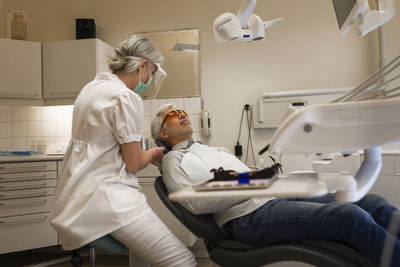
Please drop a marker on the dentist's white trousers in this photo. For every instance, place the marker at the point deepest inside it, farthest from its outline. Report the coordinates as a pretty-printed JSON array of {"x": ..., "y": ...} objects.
[{"x": 149, "y": 239}]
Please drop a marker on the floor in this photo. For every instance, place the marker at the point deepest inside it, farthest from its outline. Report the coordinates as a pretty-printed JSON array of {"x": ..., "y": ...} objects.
[{"x": 56, "y": 257}]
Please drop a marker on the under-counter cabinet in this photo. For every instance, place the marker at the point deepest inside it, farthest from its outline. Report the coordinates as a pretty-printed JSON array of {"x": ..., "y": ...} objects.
[
  {"x": 20, "y": 69},
  {"x": 70, "y": 65},
  {"x": 26, "y": 197}
]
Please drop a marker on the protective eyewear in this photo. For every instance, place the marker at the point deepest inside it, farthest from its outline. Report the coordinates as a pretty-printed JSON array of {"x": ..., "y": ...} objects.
[
  {"x": 158, "y": 77},
  {"x": 174, "y": 114}
]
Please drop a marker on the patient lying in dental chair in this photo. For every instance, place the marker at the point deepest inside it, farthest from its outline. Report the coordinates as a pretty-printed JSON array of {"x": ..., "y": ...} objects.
[{"x": 362, "y": 225}]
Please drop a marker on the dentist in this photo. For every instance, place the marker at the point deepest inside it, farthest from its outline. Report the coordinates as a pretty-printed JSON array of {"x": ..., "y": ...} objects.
[{"x": 98, "y": 192}]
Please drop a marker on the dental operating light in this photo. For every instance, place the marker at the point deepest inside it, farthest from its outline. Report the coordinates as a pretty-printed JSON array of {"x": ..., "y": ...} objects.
[
  {"x": 349, "y": 11},
  {"x": 245, "y": 26}
]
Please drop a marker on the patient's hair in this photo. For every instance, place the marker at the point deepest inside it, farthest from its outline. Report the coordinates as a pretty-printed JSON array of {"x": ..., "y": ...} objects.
[
  {"x": 157, "y": 120},
  {"x": 129, "y": 53}
]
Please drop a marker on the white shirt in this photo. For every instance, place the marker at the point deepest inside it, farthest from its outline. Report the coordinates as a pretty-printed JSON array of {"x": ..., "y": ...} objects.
[
  {"x": 190, "y": 164},
  {"x": 96, "y": 194}
]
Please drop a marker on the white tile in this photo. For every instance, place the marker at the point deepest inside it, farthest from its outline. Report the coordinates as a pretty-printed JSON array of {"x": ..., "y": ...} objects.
[
  {"x": 19, "y": 144},
  {"x": 50, "y": 113},
  {"x": 34, "y": 128},
  {"x": 5, "y": 144},
  {"x": 147, "y": 107},
  {"x": 64, "y": 112},
  {"x": 5, "y": 129},
  {"x": 195, "y": 120},
  {"x": 146, "y": 124},
  {"x": 155, "y": 104},
  {"x": 49, "y": 128},
  {"x": 64, "y": 127},
  {"x": 19, "y": 113},
  {"x": 34, "y": 113},
  {"x": 19, "y": 128},
  {"x": 192, "y": 105},
  {"x": 177, "y": 101},
  {"x": 5, "y": 113},
  {"x": 49, "y": 139}
]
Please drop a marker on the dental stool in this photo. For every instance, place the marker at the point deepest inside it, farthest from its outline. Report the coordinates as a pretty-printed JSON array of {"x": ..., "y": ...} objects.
[
  {"x": 110, "y": 245},
  {"x": 225, "y": 251},
  {"x": 106, "y": 243}
]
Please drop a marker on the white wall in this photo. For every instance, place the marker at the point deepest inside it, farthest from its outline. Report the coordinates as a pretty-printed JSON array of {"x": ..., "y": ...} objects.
[{"x": 306, "y": 52}]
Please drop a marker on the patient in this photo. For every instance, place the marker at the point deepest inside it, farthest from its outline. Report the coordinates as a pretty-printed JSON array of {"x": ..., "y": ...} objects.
[{"x": 260, "y": 221}]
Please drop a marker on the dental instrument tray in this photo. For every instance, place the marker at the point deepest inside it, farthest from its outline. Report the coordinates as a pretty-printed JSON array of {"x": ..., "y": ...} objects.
[{"x": 231, "y": 180}]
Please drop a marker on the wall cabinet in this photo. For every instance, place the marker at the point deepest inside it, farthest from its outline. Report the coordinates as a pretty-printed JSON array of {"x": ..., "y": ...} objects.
[
  {"x": 70, "y": 65},
  {"x": 20, "y": 69}
]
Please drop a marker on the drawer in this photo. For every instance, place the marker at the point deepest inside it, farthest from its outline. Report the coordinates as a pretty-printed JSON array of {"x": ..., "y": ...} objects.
[
  {"x": 22, "y": 176},
  {"x": 40, "y": 192},
  {"x": 23, "y": 185},
  {"x": 28, "y": 167},
  {"x": 26, "y": 232},
  {"x": 22, "y": 206}
]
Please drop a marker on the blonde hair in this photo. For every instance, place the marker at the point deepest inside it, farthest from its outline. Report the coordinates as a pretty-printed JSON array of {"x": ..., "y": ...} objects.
[{"x": 128, "y": 55}]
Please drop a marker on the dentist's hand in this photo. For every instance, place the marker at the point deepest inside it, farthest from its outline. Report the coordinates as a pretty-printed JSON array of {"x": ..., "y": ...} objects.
[{"x": 157, "y": 155}]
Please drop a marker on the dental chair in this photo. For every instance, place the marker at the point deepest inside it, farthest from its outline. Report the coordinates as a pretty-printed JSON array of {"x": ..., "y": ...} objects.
[{"x": 225, "y": 251}]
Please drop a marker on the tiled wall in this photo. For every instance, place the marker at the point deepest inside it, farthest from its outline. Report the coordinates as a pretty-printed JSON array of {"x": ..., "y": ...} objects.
[{"x": 19, "y": 125}]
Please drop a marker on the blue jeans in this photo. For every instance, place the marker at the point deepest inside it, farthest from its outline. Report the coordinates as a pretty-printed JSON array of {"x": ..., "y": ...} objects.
[{"x": 361, "y": 225}]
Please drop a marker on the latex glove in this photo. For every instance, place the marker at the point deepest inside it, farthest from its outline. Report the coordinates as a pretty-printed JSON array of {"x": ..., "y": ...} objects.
[{"x": 157, "y": 155}]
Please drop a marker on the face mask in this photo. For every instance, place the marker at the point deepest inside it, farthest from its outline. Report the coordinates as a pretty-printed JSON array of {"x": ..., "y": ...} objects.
[{"x": 141, "y": 87}]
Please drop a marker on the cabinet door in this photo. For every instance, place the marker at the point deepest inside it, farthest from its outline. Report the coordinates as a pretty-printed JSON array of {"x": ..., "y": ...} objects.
[
  {"x": 26, "y": 232},
  {"x": 67, "y": 67},
  {"x": 20, "y": 69}
]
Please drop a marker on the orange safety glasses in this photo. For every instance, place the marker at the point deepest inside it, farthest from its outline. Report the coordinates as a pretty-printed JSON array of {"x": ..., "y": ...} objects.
[{"x": 174, "y": 114}]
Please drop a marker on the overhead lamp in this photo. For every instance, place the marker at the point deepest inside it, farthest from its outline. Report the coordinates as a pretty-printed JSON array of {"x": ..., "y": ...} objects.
[
  {"x": 186, "y": 47},
  {"x": 245, "y": 26}
]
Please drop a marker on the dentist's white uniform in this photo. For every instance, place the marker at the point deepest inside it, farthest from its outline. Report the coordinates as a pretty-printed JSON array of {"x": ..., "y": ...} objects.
[{"x": 96, "y": 194}]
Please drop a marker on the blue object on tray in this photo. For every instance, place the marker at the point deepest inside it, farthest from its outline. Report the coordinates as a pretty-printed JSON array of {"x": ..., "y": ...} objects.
[{"x": 17, "y": 153}]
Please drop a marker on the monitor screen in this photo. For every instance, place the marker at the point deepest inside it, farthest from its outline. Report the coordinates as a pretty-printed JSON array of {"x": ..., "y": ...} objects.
[{"x": 343, "y": 9}]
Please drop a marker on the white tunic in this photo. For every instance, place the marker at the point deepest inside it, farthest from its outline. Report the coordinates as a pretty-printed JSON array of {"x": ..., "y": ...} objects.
[{"x": 96, "y": 194}]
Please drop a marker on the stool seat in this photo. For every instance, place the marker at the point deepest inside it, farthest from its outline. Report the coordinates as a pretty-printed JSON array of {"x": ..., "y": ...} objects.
[
  {"x": 109, "y": 244},
  {"x": 105, "y": 243}
]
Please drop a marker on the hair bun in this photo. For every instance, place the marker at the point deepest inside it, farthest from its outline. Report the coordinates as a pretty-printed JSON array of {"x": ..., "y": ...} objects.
[{"x": 116, "y": 63}]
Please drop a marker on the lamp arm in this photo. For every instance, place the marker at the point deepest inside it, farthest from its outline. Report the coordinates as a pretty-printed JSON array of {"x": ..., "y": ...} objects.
[
  {"x": 272, "y": 23},
  {"x": 385, "y": 5},
  {"x": 365, "y": 177},
  {"x": 245, "y": 10}
]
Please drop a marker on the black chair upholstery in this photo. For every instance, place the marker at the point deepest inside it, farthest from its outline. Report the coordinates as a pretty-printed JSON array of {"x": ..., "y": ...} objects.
[{"x": 225, "y": 251}]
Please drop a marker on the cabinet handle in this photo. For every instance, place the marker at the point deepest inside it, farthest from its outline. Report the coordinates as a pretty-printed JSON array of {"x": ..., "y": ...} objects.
[
  {"x": 25, "y": 195},
  {"x": 22, "y": 168},
  {"x": 18, "y": 95},
  {"x": 24, "y": 221},
  {"x": 65, "y": 93},
  {"x": 30, "y": 177},
  {"x": 27, "y": 186},
  {"x": 31, "y": 203}
]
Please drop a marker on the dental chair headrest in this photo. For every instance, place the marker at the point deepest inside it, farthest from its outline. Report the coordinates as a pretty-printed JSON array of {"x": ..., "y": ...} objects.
[{"x": 161, "y": 143}]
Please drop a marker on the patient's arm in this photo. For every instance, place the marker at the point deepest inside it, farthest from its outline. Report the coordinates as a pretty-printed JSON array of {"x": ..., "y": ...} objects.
[{"x": 176, "y": 179}]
